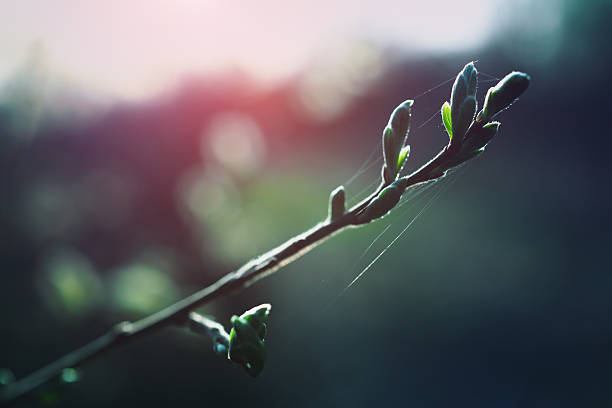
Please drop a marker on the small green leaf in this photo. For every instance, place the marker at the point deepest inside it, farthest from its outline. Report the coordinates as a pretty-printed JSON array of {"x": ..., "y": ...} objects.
[
  {"x": 492, "y": 126},
  {"x": 257, "y": 317},
  {"x": 446, "y": 119},
  {"x": 389, "y": 154},
  {"x": 401, "y": 160},
  {"x": 247, "y": 346}
]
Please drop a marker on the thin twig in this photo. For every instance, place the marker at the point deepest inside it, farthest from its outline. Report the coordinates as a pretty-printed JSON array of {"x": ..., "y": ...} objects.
[{"x": 215, "y": 330}]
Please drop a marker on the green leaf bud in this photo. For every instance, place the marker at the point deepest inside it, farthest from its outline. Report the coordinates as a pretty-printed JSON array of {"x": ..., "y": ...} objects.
[
  {"x": 463, "y": 102},
  {"x": 394, "y": 137},
  {"x": 462, "y": 157},
  {"x": 247, "y": 346},
  {"x": 465, "y": 85},
  {"x": 257, "y": 317},
  {"x": 400, "y": 123},
  {"x": 464, "y": 120},
  {"x": 504, "y": 94},
  {"x": 480, "y": 136},
  {"x": 383, "y": 203},
  {"x": 336, "y": 203},
  {"x": 474, "y": 144}
]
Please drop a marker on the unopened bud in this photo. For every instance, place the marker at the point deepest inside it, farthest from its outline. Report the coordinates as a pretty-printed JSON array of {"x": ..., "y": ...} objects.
[{"x": 504, "y": 94}]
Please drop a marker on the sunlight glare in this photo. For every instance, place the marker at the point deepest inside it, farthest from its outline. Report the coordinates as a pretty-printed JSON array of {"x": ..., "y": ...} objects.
[{"x": 134, "y": 49}]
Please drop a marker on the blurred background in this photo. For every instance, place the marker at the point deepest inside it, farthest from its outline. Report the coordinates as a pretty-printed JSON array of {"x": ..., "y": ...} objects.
[{"x": 149, "y": 147}]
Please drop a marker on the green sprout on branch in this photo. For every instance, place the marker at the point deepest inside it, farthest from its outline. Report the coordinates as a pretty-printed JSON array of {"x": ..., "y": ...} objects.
[{"x": 469, "y": 133}]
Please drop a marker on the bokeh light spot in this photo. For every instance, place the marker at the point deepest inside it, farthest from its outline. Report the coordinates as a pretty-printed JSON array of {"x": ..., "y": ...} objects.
[
  {"x": 70, "y": 375},
  {"x": 236, "y": 141},
  {"x": 141, "y": 288},
  {"x": 209, "y": 193},
  {"x": 6, "y": 377},
  {"x": 69, "y": 282},
  {"x": 326, "y": 89}
]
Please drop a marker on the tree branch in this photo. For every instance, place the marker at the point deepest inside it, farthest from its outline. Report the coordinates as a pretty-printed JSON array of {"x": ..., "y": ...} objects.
[{"x": 467, "y": 139}]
